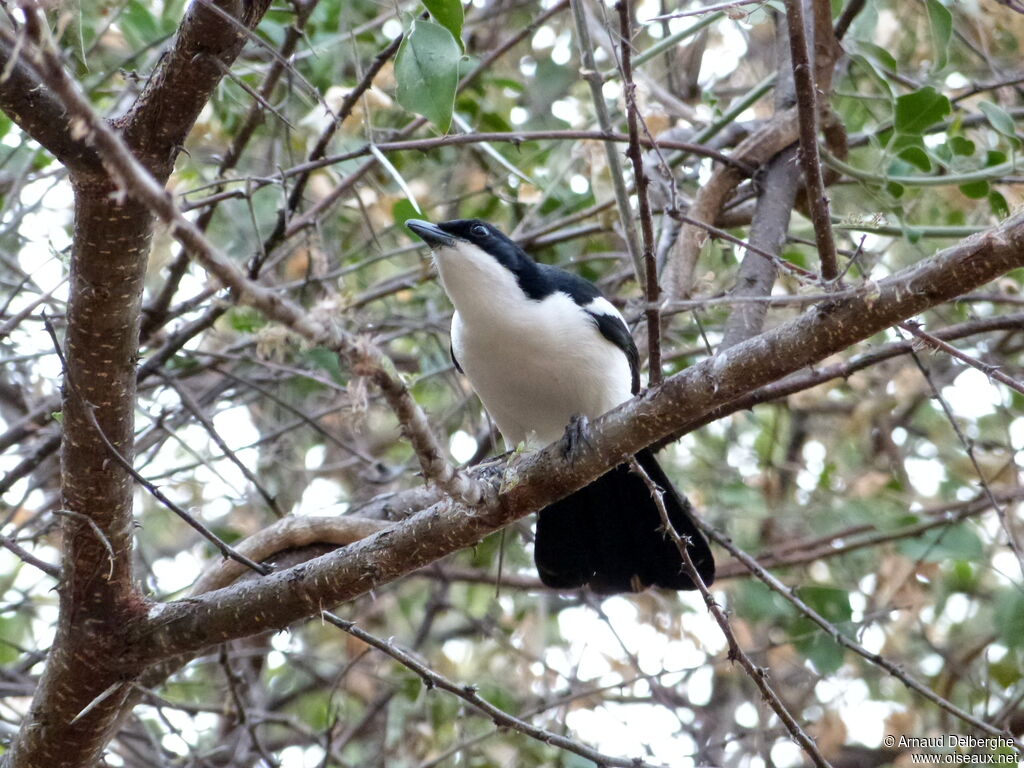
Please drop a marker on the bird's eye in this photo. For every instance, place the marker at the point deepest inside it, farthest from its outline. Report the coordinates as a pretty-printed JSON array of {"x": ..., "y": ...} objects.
[{"x": 479, "y": 230}]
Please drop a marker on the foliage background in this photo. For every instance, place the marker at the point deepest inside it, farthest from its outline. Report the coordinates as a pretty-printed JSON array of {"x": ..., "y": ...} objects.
[{"x": 833, "y": 482}]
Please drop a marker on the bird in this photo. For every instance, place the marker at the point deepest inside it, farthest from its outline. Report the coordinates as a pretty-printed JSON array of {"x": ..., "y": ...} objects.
[{"x": 544, "y": 350}]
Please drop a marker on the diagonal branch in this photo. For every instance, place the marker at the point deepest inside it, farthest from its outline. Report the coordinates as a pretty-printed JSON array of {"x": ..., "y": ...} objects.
[
  {"x": 759, "y": 675},
  {"x": 540, "y": 478},
  {"x": 471, "y": 695},
  {"x": 365, "y": 359},
  {"x": 208, "y": 41},
  {"x": 770, "y": 224},
  {"x": 36, "y": 110},
  {"x": 878, "y": 659}
]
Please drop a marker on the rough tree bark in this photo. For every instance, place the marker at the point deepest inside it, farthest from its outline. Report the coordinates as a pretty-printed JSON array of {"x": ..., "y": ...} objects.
[
  {"x": 277, "y": 600},
  {"x": 108, "y": 635},
  {"x": 79, "y": 696}
]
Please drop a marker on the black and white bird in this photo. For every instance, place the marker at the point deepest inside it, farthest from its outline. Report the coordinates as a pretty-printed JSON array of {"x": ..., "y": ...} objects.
[{"x": 541, "y": 346}]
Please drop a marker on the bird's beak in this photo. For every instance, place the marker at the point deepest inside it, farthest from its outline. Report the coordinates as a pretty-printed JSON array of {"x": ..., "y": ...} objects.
[{"x": 431, "y": 234}]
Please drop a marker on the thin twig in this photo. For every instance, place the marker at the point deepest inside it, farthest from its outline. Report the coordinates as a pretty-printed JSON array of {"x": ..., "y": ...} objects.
[
  {"x": 807, "y": 109},
  {"x": 875, "y": 658},
  {"x": 968, "y": 446},
  {"x": 90, "y": 416},
  {"x": 595, "y": 81},
  {"x": 103, "y": 696},
  {"x": 196, "y": 410},
  {"x": 155, "y": 313},
  {"x": 50, "y": 570},
  {"x": 470, "y": 694},
  {"x": 736, "y": 654},
  {"x": 101, "y": 537},
  {"x": 800, "y": 382},
  {"x": 312, "y": 216},
  {"x": 509, "y": 137},
  {"x": 705, "y": 9},
  {"x": 247, "y": 721},
  {"x": 805, "y": 275},
  {"x": 324, "y": 140},
  {"x": 652, "y": 291},
  {"x": 989, "y": 370},
  {"x": 365, "y": 359}
]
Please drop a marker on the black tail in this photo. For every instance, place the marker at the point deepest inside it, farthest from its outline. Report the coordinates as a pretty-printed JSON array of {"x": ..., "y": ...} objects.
[{"x": 609, "y": 535}]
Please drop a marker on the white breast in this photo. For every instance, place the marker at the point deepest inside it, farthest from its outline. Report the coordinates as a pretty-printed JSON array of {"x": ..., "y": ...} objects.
[{"x": 534, "y": 364}]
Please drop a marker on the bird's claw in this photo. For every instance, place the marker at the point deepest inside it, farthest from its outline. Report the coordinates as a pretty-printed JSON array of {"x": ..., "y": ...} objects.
[{"x": 577, "y": 433}]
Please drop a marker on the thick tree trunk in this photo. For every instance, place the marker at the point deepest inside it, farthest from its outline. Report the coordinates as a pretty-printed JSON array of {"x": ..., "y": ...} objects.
[
  {"x": 98, "y": 597},
  {"x": 87, "y": 680}
]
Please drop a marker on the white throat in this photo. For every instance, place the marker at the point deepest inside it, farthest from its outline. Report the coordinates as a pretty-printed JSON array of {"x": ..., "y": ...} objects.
[{"x": 478, "y": 285}]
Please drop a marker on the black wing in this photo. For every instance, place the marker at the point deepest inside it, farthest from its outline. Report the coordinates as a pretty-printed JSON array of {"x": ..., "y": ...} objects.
[
  {"x": 451, "y": 351},
  {"x": 613, "y": 329}
]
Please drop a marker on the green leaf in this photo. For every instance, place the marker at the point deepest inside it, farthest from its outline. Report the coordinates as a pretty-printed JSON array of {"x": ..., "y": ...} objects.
[
  {"x": 326, "y": 360},
  {"x": 998, "y": 204},
  {"x": 1009, "y": 605},
  {"x": 427, "y": 70},
  {"x": 954, "y": 542},
  {"x": 811, "y": 640},
  {"x": 402, "y": 211},
  {"x": 1006, "y": 671},
  {"x": 975, "y": 190},
  {"x": 916, "y": 157},
  {"x": 959, "y": 145},
  {"x": 994, "y": 157},
  {"x": 1000, "y": 120},
  {"x": 756, "y": 602},
  {"x": 943, "y": 153},
  {"x": 12, "y": 635},
  {"x": 138, "y": 24},
  {"x": 831, "y": 602},
  {"x": 917, "y": 111},
  {"x": 507, "y": 82},
  {"x": 940, "y": 20},
  {"x": 913, "y": 234},
  {"x": 246, "y": 319},
  {"x": 450, "y": 15},
  {"x": 961, "y": 578},
  {"x": 815, "y": 645},
  {"x": 410, "y": 687},
  {"x": 881, "y": 55}
]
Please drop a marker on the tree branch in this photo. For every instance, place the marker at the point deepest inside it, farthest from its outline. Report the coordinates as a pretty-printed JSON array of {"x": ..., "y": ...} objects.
[
  {"x": 207, "y": 43},
  {"x": 652, "y": 291},
  {"x": 595, "y": 81},
  {"x": 35, "y": 109},
  {"x": 364, "y": 358},
  {"x": 76, "y": 704},
  {"x": 807, "y": 91},
  {"x": 542, "y": 477},
  {"x": 757, "y": 149},
  {"x": 770, "y": 224}
]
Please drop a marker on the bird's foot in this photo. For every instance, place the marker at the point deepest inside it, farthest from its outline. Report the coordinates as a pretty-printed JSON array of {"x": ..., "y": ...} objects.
[{"x": 577, "y": 434}]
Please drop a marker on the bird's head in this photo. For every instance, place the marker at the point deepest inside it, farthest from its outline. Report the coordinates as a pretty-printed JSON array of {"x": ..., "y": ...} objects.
[{"x": 468, "y": 240}]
